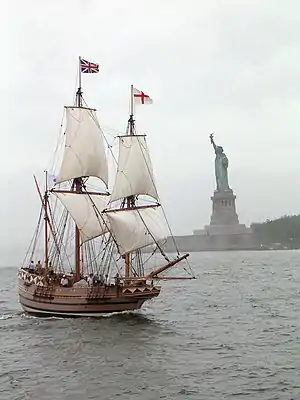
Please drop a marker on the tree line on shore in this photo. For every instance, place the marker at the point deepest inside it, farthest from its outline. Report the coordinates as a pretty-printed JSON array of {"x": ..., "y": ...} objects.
[{"x": 284, "y": 231}]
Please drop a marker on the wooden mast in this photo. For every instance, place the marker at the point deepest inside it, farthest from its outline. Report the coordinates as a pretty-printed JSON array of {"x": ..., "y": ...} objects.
[
  {"x": 78, "y": 188},
  {"x": 46, "y": 222},
  {"x": 130, "y": 199}
]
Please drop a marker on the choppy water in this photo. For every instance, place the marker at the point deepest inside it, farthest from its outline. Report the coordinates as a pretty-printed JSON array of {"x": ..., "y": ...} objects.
[{"x": 232, "y": 334}]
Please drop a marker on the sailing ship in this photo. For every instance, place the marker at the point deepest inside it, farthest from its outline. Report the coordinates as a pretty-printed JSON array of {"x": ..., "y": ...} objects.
[{"x": 97, "y": 245}]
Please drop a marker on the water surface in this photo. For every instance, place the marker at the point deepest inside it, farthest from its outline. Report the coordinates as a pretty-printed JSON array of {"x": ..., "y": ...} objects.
[{"x": 234, "y": 333}]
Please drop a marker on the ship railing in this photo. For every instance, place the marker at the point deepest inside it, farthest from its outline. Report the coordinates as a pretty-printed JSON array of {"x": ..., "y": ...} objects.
[{"x": 96, "y": 291}]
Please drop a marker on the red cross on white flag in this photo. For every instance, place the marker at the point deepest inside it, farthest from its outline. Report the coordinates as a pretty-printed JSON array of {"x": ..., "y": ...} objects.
[{"x": 140, "y": 97}]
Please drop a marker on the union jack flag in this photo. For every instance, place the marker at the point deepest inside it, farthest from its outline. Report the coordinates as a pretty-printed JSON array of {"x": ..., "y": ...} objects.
[{"x": 88, "y": 67}]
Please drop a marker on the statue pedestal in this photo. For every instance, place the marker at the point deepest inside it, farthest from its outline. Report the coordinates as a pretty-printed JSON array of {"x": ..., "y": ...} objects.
[
  {"x": 224, "y": 219},
  {"x": 224, "y": 231}
]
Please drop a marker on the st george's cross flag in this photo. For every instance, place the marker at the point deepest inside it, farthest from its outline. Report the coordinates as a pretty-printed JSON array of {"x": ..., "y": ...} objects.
[{"x": 140, "y": 97}]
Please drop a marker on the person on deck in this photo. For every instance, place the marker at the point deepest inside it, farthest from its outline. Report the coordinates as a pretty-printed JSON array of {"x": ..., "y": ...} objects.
[
  {"x": 31, "y": 267},
  {"x": 38, "y": 268},
  {"x": 117, "y": 279},
  {"x": 64, "y": 281},
  {"x": 101, "y": 280},
  {"x": 90, "y": 280}
]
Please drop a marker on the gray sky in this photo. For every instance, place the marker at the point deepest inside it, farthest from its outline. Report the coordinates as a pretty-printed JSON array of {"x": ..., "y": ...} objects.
[{"x": 231, "y": 67}]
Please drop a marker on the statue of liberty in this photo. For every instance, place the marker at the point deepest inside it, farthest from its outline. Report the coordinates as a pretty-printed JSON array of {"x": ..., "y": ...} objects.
[{"x": 221, "y": 166}]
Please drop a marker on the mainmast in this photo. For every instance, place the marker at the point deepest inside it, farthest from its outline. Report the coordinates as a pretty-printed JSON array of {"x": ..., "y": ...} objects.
[
  {"x": 84, "y": 157},
  {"x": 77, "y": 185},
  {"x": 130, "y": 201},
  {"x": 131, "y": 120}
]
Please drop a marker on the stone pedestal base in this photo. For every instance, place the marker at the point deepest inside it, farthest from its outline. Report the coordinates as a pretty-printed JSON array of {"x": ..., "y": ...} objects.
[
  {"x": 223, "y": 210},
  {"x": 224, "y": 231},
  {"x": 214, "y": 230}
]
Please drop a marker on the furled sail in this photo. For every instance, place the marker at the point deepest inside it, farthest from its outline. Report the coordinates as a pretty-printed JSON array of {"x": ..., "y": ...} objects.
[
  {"x": 134, "y": 229},
  {"x": 84, "y": 153},
  {"x": 135, "y": 173},
  {"x": 82, "y": 209}
]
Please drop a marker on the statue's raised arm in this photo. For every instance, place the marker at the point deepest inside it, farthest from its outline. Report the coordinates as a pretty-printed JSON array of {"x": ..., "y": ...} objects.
[{"x": 211, "y": 136}]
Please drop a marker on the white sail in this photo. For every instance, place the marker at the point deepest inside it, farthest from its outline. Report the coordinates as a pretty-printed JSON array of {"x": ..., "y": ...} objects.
[
  {"x": 84, "y": 153},
  {"x": 135, "y": 173},
  {"x": 134, "y": 229},
  {"x": 82, "y": 209}
]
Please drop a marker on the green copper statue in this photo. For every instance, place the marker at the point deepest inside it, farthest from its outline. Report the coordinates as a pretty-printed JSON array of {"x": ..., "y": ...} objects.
[{"x": 221, "y": 166}]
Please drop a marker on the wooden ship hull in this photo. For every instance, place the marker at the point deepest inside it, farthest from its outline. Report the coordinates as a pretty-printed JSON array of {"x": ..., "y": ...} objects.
[{"x": 88, "y": 301}]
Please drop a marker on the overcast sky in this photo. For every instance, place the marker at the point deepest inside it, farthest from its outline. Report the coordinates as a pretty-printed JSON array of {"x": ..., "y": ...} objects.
[{"x": 229, "y": 67}]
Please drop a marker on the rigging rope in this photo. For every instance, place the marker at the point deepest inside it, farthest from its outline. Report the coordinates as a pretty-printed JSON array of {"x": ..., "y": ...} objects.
[{"x": 33, "y": 239}]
